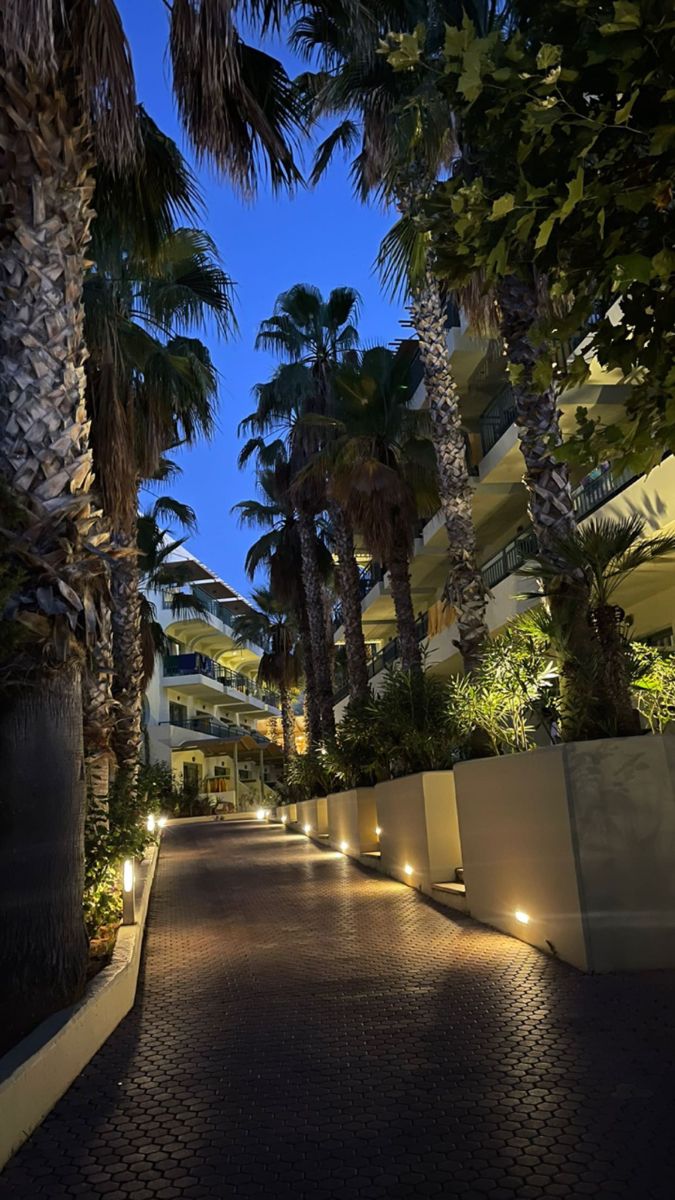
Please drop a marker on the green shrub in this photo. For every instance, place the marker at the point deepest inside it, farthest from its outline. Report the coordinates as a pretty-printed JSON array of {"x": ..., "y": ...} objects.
[
  {"x": 354, "y": 758},
  {"x": 411, "y": 730},
  {"x": 653, "y": 683}
]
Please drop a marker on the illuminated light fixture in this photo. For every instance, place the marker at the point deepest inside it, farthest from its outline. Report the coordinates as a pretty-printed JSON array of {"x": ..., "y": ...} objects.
[
  {"x": 284, "y": 820},
  {"x": 307, "y": 828},
  {"x": 260, "y": 814},
  {"x": 162, "y": 822},
  {"x": 521, "y": 916},
  {"x": 378, "y": 831},
  {"x": 151, "y": 824},
  {"x": 128, "y": 874},
  {"x": 408, "y": 869},
  {"x": 344, "y": 846}
]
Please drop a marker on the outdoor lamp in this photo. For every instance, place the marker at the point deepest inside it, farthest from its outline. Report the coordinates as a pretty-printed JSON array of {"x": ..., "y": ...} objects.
[{"x": 128, "y": 893}]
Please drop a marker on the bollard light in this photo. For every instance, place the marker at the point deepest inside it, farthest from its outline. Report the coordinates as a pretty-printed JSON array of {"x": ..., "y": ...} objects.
[
  {"x": 408, "y": 869},
  {"x": 522, "y": 917},
  {"x": 284, "y": 820},
  {"x": 378, "y": 831},
  {"x": 128, "y": 893},
  {"x": 151, "y": 823},
  {"x": 162, "y": 822}
]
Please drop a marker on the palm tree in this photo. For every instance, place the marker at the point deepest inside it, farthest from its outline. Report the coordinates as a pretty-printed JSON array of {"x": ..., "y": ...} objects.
[
  {"x": 67, "y": 97},
  {"x": 278, "y": 550},
  {"x": 314, "y": 336},
  {"x": 403, "y": 170},
  {"x": 381, "y": 469},
  {"x": 603, "y": 554},
  {"x": 273, "y": 628}
]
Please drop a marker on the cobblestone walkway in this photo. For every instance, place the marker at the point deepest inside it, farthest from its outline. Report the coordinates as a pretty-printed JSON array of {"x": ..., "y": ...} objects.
[{"x": 306, "y": 1029}]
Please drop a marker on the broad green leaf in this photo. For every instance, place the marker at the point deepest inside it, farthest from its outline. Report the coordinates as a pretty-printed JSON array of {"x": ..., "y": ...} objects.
[
  {"x": 548, "y": 56},
  {"x": 575, "y": 192},
  {"x": 503, "y": 205},
  {"x": 626, "y": 17},
  {"x": 633, "y": 267},
  {"x": 523, "y": 227},
  {"x": 662, "y": 136},
  {"x": 601, "y": 222},
  {"x": 664, "y": 263},
  {"x": 515, "y": 372},
  {"x": 545, "y": 231},
  {"x": 623, "y": 113}
]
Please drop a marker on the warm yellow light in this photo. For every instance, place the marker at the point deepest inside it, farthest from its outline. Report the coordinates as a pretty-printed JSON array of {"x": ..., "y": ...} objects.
[
  {"x": 161, "y": 822},
  {"x": 128, "y": 874},
  {"x": 344, "y": 846},
  {"x": 408, "y": 869},
  {"x": 307, "y": 828},
  {"x": 260, "y": 814},
  {"x": 378, "y": 831},
  {"x": 284, "y": 820},
  {"x": 521, "y": 916},
  {"x": 151, "y": 823}
]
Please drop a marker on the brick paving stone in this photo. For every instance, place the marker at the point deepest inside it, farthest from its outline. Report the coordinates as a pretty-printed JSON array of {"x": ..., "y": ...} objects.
[{"x": 307, "y": 1029}]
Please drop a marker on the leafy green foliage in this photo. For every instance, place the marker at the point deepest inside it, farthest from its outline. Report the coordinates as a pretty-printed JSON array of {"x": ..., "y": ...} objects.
[
  {"x": 653, "y": 673},
  {"x": 411, "y": 724}
]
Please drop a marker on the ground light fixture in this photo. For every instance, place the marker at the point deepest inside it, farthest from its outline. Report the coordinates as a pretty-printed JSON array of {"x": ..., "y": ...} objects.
[
  {"x": 307, "y": 828},
  {"x": 344, "y": 846},
  {"x": 260, "y": 814},
  {"x": 151, "y": 823},
  {"x": 284, "y": 820},
  {"x": 378, "y": 831},
  {"x": 521, "y": 916},
  {"x": 408, "y": 870},
  {"x": 162, "y": 822},
  {"x": 128, "y": 907}
]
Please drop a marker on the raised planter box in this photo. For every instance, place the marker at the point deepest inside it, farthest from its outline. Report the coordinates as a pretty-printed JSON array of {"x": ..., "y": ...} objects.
[
  {"x": 352, "y": 821},
  {"x": 36, "y": 1073},
  {"x": 312, "y": 817},
  {"x": 572, "y": 849},
  {"x": 419, "y": 838}
]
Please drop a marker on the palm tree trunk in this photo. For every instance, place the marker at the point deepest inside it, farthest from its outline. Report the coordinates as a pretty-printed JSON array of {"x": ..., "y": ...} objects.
[
  {"x": 312, "y": 710},
  {"x": 317, "y": 632},
  {"x": 617, "y": 698},
  {"x": 98, "y": 719},
  {"x": 128, "y": 657},
  {"x": 399, "y": 572},
  {"x": 43, "y": 944},
  {"x": 287, "y": 723},
  {"x": 465, "y": 588},
  {"x": 551, "y": 505},
  {"x": 45, "y": 459},
  {"x": 349, "y": 587}
]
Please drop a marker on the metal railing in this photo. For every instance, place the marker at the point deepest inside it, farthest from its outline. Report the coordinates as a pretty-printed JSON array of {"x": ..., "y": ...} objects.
[
  {"x": 201, "y": 664},
  {"x": 599, "y": 487},
  {"x": 497, "y": 417},
  {"x": 386, "y": 657},
  {"x": 214, "y": 727}
]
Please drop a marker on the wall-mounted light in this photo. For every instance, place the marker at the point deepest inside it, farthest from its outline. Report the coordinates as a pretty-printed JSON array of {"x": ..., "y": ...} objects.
[
  {"x": 344, "y": 846},
  {"x": 521, "y": 916},
  {"x": 307, "y": 828},
  {"x": 408, "y": 870},
  {"x": 151, "y": 823},
  {"x": 378, "y": 831}
]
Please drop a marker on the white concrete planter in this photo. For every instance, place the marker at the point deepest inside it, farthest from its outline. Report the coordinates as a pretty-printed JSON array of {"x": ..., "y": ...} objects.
[
  {"x": 419, "y": 839},
  {"x": 579, "y": 840},
  {"x": 352, "y": 821},
  {"x": 36, "y": 1073},
  {"x": 312, "y": 817},
  {"x": 290, "y": 811}
]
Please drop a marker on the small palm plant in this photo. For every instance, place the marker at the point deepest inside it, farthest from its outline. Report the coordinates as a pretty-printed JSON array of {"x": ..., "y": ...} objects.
[{"x": 602, "y": 555}]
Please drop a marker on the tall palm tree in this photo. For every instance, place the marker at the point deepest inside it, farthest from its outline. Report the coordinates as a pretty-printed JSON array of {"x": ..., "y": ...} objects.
[
  {"x": 381, "y": 469},
  {"x": 314, "y": 336},
  {"x": 273, "y": 628},
  {"x": 403, "y": 169},
  {"x": 66, "y": 98},
  {"x": 149, "y": 385},
  {"x": 278, "y": 550}
]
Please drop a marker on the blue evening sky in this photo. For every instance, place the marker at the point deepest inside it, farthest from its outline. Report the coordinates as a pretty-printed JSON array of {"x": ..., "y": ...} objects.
[{"x": 324, "y": 237}]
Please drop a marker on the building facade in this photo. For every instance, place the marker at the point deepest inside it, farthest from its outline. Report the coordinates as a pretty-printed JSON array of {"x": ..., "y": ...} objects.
[
  {"x": 504, "y": 535},
  {"x": 203, "y": 707}
]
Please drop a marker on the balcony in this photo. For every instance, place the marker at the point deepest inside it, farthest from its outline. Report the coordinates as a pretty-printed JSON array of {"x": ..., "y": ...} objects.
[
  {"x": 369, "y": 575},
  {"x": 201, "y": 664},
  {"x": 213, "y": 727},
  {"x": 385, "y": 657},
  {"x": 497, "y": 417}
]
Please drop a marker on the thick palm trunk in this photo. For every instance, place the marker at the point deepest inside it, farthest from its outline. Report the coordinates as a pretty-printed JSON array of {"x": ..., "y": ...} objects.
[
  {"x": 43, "y": 944},
  {"x": 45, "y": 460},
  {"x": 399, "y": 572},
  {"x": 128, "y": 657},
  {"x": 465, "y": 588},
  {"x": 349, "y": 587},
  {"x": 98, "y": 718},
  {"x": 317, "y": 633},
  {"x": 617, "y": 697},
  {"x": 312, "y": 710},
  {"x": 551, "y": 505},
  {"x": 287, "y": 723}
]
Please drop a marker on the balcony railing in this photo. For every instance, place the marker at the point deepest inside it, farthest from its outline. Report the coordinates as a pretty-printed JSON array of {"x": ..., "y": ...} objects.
[
  {"x": 497, "y": 417},
  {"x": 386, "y": 657},
  {"x": 214, "y": 727},
  {"x": 369, "y": 575},
  {"x": 201, "y": 664}
]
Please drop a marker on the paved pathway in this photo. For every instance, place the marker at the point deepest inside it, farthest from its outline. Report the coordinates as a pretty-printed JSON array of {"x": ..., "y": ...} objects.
[{"x": 307, "y": 1029}]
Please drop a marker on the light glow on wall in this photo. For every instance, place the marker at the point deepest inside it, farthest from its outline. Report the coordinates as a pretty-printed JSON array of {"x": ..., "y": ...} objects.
[
  {"x": 307, "y": 828},
  {"x": 284, "y": 820},
  {"x": 162, "y": 822},
  {"x": 344, "y": 846},
  {"x": 151, "y": 823},
  {"x": 378, "y": 831},
  {"x": 408, "y": 870},
  {"x": 521, "y": 916},
  {"x": 260, "y": 814}
]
